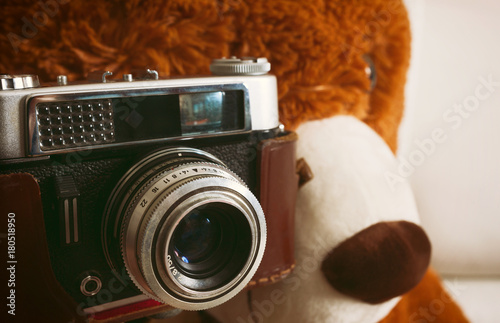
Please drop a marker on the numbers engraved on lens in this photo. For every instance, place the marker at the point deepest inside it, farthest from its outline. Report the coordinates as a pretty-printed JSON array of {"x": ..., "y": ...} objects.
[{"x": 171, "y": 266}]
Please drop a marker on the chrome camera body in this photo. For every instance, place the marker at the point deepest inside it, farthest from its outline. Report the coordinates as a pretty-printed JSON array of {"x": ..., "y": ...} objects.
[{"x": 150, "y": 187}]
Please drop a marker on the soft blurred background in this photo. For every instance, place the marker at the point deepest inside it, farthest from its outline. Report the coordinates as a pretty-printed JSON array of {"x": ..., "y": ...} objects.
[{"x": 449, "y": 144}]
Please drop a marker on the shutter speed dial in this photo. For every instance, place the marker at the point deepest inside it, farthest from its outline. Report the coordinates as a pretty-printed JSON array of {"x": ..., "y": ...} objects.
[{"x": 240, "y": 66}]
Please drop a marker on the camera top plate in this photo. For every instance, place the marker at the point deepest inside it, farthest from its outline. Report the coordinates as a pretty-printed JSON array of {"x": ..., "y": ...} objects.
[{"x": 24, "y": 127}]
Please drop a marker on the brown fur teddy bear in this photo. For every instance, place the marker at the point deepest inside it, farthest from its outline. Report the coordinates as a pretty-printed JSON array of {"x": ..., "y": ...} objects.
[{"x": 330, "y": 57}]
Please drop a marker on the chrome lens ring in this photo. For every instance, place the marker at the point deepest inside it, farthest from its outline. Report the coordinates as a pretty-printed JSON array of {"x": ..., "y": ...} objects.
[{"x": 157, "y": 210}]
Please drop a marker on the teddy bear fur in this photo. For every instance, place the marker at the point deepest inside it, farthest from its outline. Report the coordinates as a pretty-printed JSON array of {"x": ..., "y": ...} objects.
[{"x": 318, "y": 50}]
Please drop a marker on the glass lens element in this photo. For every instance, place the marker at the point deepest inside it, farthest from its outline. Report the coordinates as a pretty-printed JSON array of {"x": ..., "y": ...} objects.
[
  {"x": 196, "y": 237},
  {"x": 210, "y": 246}
]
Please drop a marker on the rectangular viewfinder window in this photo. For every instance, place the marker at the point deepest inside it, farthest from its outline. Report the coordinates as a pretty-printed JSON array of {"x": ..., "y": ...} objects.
[
  {"x": 211, "y": 112},
  {"x": 201, "y": 112}
]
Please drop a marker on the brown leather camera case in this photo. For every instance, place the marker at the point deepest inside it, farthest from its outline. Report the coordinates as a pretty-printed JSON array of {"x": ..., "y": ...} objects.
[{"x": 39, "y": 296}]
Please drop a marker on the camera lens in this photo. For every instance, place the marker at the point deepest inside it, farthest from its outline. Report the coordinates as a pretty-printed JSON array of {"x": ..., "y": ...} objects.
[
  {"x": 196, "y": 237},
  {"x": 189, "y": 232},
  {"x": 211, "y": 245}
]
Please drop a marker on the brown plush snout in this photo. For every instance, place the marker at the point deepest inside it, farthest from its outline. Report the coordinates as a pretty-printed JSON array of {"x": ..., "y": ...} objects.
[{"x": 380, "y": 262}]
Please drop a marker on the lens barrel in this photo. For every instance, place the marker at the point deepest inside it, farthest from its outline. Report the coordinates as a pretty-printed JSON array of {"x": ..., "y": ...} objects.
[{"x": 191, "y": 232}]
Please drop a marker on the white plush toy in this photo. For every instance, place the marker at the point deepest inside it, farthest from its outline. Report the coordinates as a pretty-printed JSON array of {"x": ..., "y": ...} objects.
[{"x": 358, "y": 243}]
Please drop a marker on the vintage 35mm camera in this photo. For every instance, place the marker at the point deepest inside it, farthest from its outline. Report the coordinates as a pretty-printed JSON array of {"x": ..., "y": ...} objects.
[{"x": 156, "y": 189}]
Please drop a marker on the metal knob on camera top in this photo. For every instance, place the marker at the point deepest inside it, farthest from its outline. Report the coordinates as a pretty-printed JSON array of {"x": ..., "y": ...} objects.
[
  {"x": 240, "y": 66},
  {"x": 18, "y": 82}
]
